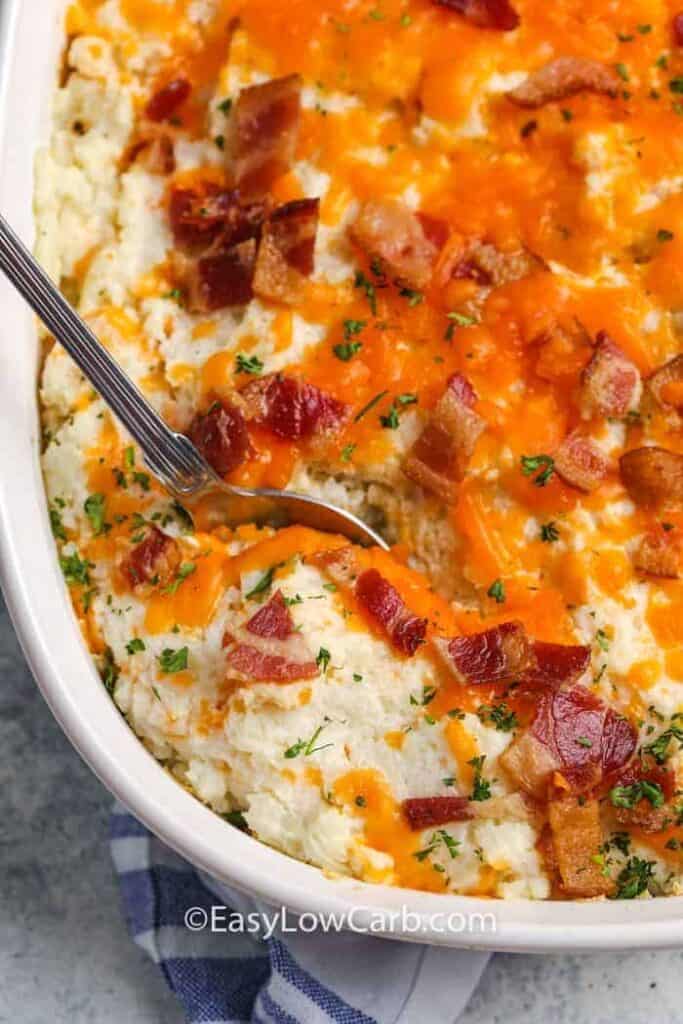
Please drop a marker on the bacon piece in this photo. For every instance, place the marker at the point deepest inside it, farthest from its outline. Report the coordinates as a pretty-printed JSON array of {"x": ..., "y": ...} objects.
[
  {"x": 221, "y": 436},
  {"x": 572, "y": 732},
  {"x": 384, "y": 604},
  {"x": 168, "y": 100},
  {"x": 588, "y": 739},
  {"x": 389, "y": 231},
  {"x": 496, "y": 14},
  {"x": 529, "y": 763},
  {"x": 660, "y": 553},
  {"x": 435, "y": 230},
  {"x": 153, "y": 561},
  {"x": 577, "y": 837},
  {"x": 487, "y": 267},
  {"x": 285, "y": 256},
  {"x": 200, "y": 216},
  {"x": 556, "y": 665},
  {"x": 264, "y": 132},
  {"x": 154, "y": 150},
  {"x": 610, "y": 383},
  {"x": 221, "y": 278},
  {"x": 580, "y": 463},
  {"x": 677, "y": 28},
  {"x": 491, "y": 656},
  {"x": 666, "y": 384},
  {"x": 653, "y": 476},
  {"x": 438, "y": 459},
  {"x": 291, "y": 408},
  {"x": 267, "y": 648},
  {"x": 377, "y": 597},
  {"x": 564, "y": 77},
  {"x": 432, "y": 811}
]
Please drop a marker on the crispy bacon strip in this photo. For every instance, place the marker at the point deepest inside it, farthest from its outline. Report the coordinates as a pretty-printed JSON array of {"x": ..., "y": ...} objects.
[
  {"x": 660, "y": 553},
  {"x": 432, "y": 811},
  {"x": 153, "y": 561},
  {"x": 381, "y": 602},
  {"x": 556, "y": 665},
  {"x": 285, "y": 256},
  {"x": 438, "y": 459},
  {"x": 384, "y": 604},
  {"x": 264, "y": 132},
  {"x": 165, "y": 103},
  {"x": 389, "y": 231},
  {"x": 202, "y": 215},
  {"x": 666, "y": 384},
  {"x": 653, "y": 476},
  {"x": 219, "y": 279},
  {"x": 267, "y": 648},
  {"x": 577, "y": 837},
  {"x": 152, "y": 149},
  {"x": 291, "y": 408},
  {"x": 495, "y": 14},
  {"x": 580, "y": 463},
  {"x": 564, "y": 77},
  {"x": 503, "y": 652},
  {"x": 610, "y": 383},
  {"x": 583, "y": 739},
  {"x": 677, "y": 28},
  {"x": 221, "y": 436}
]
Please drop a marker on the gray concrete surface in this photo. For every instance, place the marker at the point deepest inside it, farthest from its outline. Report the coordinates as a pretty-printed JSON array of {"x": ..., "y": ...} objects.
[{"x": 64, "y": 952}]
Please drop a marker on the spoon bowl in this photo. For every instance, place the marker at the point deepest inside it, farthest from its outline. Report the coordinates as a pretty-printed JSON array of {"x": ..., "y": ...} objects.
[{"x": 171, "y": 457}]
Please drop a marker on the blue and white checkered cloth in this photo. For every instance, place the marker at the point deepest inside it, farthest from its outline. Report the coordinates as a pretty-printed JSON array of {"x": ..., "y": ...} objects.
[{"x": 299, "y": 978}]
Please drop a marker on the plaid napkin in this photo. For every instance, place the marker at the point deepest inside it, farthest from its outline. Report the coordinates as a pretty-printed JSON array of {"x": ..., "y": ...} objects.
[{"x": 295, "y": 978}]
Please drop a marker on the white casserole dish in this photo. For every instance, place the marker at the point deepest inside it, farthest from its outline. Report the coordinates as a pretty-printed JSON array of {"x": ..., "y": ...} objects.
[{"x": 30, "y": 38}]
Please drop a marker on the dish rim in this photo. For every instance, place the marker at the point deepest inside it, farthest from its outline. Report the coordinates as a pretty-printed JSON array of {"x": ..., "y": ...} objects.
[{"x": 40, "y": 610}]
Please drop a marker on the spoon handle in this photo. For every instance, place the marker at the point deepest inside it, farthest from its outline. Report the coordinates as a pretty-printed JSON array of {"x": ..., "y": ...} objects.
[{"x": 169, "y": 455}]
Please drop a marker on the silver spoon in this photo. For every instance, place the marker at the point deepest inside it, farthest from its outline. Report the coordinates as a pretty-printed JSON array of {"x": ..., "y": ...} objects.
[{"x": 170, "y": 456}]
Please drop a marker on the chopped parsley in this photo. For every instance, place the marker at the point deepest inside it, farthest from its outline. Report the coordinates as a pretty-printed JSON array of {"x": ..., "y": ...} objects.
[
  {"x": 361, "y": 281},
  {"x": 248, "y": 364},
  {"x": 602, "y": 640},
  {"x": 129, "y": 457},
  {"x": 622, "y": 71},
  {"x": 499, "y": 715},
  {"x": 346, "y": 452},
  {"x": 413, "y": 296},
  {"x": 346, "y": 350},
  {"x": 439, "y": 838},
  {"x": 225, "y": 106},
  {"x": 109, "y": 671},
  {"x": 584, "y": 741},
  {"x": 481, "y": 787},
  {"x": 323, "y": 659},
  {"x": 264, "y": 584},
  {"x": 428, "y": 695},
  {"x": 457, "y": 320},
  {"x": 629, "y": 796},
  {"x": 533, "y": 463},
  {"x": 306, "y": 747},
  {"x": 353, "y": 327},
  {"x": 94, "y": 507},
  {"x": 549, "y": 532},
  {"x": 219, "y": 141},
  {"x": 497, "y": 591},
  {"x": 142, "y": 480},
  {"x": 183, "y": 516},
  {"x": 173, "y": 660},
  {"x": 184, "y": 570},
  {"x": 76, "y": 570},
  {"x": 370, "y": 405},
  {"x": 676, "y": 85},
  {"x": 634, "y": 877},
  {"x": 57, "y": 525},
  {"x": 135, "y": 645},
  {"x": 391, "y": 420},
  {"x": 663, "y": 235},
  {"x": 659, "y": 748},
  {"x": 237, "y": 819}
]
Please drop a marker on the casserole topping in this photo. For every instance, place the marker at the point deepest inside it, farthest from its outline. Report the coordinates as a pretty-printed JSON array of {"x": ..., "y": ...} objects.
[{"x": 420, "y": 258}]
